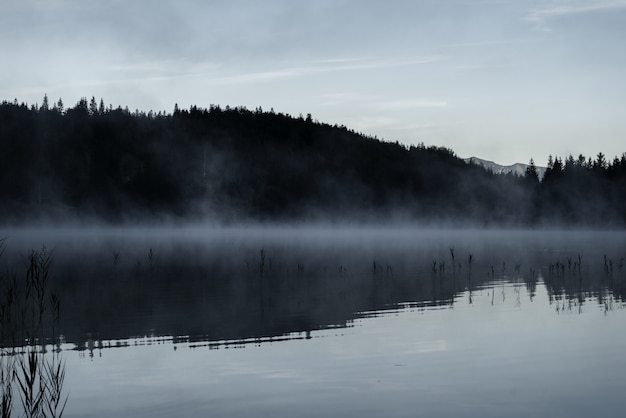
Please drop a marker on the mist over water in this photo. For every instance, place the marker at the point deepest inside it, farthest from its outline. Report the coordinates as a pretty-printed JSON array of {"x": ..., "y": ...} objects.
[
  {"x": 325, "y": 319},
  {"x": 158, "y": 279}
]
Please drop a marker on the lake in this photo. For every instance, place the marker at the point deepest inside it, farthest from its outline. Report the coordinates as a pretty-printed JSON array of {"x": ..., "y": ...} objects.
[{"x": 335, "y": 321}]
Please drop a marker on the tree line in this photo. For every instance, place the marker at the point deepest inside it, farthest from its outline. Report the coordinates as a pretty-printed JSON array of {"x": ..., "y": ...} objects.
[{"x": 94, "y": 161}]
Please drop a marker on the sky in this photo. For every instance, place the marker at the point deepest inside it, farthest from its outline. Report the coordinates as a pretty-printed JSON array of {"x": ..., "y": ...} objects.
[{"x": 502, "y": 80}]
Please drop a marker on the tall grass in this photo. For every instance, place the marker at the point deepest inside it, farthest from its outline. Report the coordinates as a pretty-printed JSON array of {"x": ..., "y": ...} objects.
[{"x": 29, "y": 318}]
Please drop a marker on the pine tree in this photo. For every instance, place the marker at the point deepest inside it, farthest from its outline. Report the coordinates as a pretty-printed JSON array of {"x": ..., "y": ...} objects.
[
  {"x": 82, "y": 104},
  {"x": 45, "y": 106},
  {"x": 600, "y": 163},
  {"x": 93, "y": 106},
  {"x": 531, "y": 172}
]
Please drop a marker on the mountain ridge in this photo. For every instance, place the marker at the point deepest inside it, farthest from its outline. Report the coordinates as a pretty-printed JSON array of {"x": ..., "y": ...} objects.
[{"x": 517, "y": 168}]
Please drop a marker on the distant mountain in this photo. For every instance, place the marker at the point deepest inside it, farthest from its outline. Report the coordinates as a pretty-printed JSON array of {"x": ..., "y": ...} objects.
[{"x": 518, "y": 168}]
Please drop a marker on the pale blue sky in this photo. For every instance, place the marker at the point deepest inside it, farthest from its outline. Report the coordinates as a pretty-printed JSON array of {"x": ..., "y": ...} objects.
[{"x": 504, "y": 80}]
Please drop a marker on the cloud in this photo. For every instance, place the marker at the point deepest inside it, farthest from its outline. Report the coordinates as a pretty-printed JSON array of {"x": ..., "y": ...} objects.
[
  {"x": 541, "y": 15},
  {"x": 174, "y": 69},
  {"x": 167, "y": 69},
  {"x": 327, "y": 66},
  {"x": 412, "y": 104},
  {"x": 341, "y": 60},
  {"x": 343, "y": 98},
  {"x": 380, "y": 103},
  {"x": 487, "y": 43},
  {"x": 370, "y": 123}
]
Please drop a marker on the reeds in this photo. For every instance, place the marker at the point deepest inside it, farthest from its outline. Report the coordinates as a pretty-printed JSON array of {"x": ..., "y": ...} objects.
[
  {"x": 25, "y": 367},
  {"x": 262, "y": 263},
  {"x": 54, "y": 371},
  {"x": 452, "y": 257},
  {"x": 40, "y": 383},
  {"x": 7, "y": 375},
  {"x": 151, "y": 261}
]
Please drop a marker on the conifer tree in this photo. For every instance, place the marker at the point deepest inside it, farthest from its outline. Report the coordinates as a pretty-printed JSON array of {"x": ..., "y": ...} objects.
[
  {"x": 45, "y": 106},
  {"x": 531, "y": 172},
  {"x": 93, "y": 106}
]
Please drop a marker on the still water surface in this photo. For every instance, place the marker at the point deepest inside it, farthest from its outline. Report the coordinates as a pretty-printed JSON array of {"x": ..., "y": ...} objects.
[{"x": 351, "y": 322}]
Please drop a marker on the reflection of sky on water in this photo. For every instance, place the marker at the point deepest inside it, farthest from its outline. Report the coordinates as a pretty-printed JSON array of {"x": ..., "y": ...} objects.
[
  {"x": 501, "y": 355},
  {"x": 357, "y": 341}
]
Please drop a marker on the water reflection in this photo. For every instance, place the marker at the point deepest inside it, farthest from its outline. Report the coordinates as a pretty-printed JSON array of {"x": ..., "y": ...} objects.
[
  {"x": 292, "y": 308},
  {"x": 503, "y": 354},
  {"x": 236, "y": 288},
  {"x": 517, "y": 323}
]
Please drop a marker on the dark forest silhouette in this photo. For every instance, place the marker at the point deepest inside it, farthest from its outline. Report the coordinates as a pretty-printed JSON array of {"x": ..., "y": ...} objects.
[{"x": 93, "y": 161}]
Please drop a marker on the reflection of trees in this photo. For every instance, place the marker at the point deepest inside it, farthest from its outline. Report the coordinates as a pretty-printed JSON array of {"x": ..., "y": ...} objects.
[
  {"x": 571, "y": 284},
  {"x": 235, "y": 293}
]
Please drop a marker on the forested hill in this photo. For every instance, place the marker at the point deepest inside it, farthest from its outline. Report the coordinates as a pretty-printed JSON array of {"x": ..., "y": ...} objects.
[{"x": 92, "y": 162}]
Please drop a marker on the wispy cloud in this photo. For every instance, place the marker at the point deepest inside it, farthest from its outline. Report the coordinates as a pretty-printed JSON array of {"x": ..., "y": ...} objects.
[
  {"x": 380, "y": 103},
  {"x": 327, "y": 66},
  {"x": 372, "y": 123},
  {"x": 486, "y": 43},
  {"x": 412, "y": 104},
  {"x": 416, "y": 127},
  {"x": 541, "y": 15},
  {"x": 343, "y": 98},
  {"x": 166, "y": 68},
  {"x": 127, "y": 74},
  {"x": 343, "y": 60}
]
